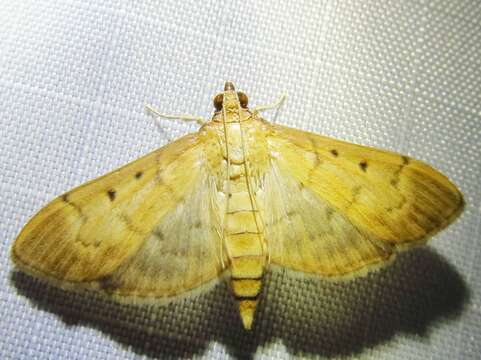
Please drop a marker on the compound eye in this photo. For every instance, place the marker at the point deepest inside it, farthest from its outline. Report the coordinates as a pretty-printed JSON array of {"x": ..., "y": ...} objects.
[
  {"x": 218, "y": 101},
  {"x": 243, "y": 99}
]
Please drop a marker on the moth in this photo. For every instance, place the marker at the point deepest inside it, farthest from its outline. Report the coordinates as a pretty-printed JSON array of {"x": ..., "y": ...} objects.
[{"x": 238, "y": 197}]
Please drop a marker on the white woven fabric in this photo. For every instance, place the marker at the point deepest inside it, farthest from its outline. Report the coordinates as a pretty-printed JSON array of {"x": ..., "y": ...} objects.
[{"x": 403, "y": 75}]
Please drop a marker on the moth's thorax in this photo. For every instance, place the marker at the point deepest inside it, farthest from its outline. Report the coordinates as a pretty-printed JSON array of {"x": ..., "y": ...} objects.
[
  {"x": 230, "y": 117},
  {"x": 235, "y": 140},
  {"x": 236, "y": 145}
]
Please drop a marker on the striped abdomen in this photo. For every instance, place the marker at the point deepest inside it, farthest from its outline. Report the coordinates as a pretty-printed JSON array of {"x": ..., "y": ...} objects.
[{"x": 244, "y": 245}]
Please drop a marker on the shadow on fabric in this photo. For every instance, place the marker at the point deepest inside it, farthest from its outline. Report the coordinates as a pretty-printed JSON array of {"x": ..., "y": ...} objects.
[{"x": 308, "y": 316}]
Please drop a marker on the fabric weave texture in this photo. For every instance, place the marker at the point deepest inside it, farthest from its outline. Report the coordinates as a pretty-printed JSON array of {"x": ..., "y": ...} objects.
[{"x": 400, "y": 75}]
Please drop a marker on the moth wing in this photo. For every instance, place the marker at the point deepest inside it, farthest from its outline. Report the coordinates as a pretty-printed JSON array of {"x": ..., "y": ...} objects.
[
  {"x": 144, "y": 230},
  {"x": 341, "y": 207}
]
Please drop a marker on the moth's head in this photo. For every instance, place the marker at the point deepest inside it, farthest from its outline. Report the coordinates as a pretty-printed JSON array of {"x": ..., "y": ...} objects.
[{"x": 231, "y": 96}]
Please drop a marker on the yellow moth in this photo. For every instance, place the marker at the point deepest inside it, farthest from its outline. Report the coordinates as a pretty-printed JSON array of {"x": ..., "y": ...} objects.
[{"x": 232, "y": 200}]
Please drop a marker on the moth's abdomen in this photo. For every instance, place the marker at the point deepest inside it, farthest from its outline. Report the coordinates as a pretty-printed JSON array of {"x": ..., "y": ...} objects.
[{"x": 244, "y": 243}]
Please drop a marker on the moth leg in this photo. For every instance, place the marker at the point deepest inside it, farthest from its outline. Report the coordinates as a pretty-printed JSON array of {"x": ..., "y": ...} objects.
[{"x": 187, "y": 118}]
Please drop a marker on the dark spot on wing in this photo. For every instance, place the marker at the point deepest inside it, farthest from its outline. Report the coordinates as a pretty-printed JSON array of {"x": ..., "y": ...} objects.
[
  {"x": 66, "y": 199},
  {"x": 329, "y": 213},
  {"x": 334, "y": 152},
  {"x": 138, "y": 174},
  {"x": 158, "y": 234},
  {"x": 111, "y": 193},
  {"x": 397, "y": 174},
  {"x": 291, "y": 213},
  {"x": 395, "y": 181},
  {"x": 363, "y": 165}
]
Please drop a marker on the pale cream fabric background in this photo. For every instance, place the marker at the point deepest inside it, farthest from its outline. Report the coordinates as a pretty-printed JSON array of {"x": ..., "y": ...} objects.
[{"x": 404, "y": 75}]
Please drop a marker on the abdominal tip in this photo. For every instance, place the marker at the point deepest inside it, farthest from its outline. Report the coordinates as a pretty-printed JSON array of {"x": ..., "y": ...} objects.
[
  {"x": 247, "y": 309},
  {"x": 247, "y": 320}
]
